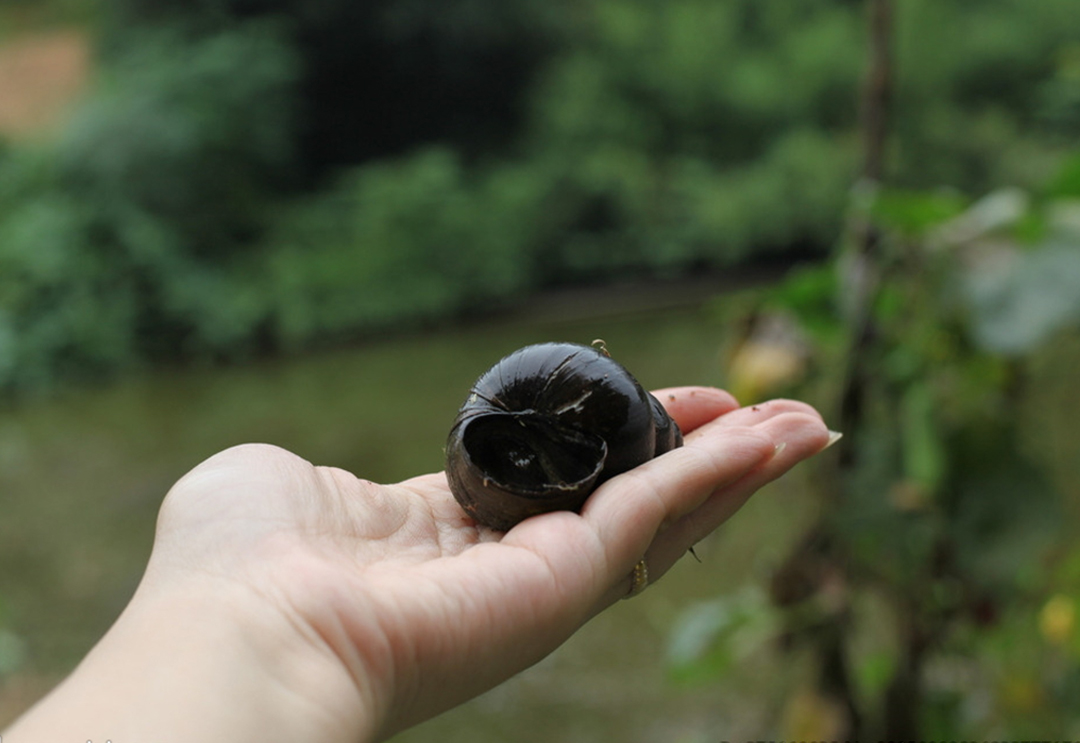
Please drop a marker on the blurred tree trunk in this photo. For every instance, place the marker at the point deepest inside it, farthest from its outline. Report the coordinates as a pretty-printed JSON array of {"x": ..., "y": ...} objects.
[
  {"x": 860, "y": 266},
  {"x": 861, "y": 263},
  {"x": 863, "y": 267},
  {"x": 877, "y": 90}
]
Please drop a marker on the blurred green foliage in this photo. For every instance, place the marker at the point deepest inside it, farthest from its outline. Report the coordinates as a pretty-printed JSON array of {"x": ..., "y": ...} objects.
[
  {"x": 257, "y": 175},
  {"x": 131, "y": 236},
  {"x": 942, "y": 566},
  {"x": 399, "y": 241}
]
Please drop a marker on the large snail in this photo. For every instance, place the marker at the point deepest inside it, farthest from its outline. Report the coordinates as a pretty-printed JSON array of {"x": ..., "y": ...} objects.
[{"x": 544, "y": 427}]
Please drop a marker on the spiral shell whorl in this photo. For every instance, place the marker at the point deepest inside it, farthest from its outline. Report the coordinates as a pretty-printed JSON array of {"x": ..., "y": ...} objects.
[{"x": 546, "y": 425}]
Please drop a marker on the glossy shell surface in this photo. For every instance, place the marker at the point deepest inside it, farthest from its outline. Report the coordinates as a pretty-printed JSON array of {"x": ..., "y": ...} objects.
[{"x": 544, "y": 427}]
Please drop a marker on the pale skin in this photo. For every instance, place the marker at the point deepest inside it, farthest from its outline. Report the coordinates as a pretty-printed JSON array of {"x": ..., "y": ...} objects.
[{"x": 289, "y": 602}]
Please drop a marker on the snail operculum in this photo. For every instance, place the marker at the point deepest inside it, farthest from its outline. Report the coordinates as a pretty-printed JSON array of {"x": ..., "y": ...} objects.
[{"x": 543, "y": 427}]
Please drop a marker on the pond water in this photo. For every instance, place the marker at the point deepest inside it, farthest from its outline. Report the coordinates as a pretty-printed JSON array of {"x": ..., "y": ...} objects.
[{"x": 82, "y": 475}]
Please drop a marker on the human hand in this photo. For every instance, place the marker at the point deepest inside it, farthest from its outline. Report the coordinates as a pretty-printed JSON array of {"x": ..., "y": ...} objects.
[{"x": 364, "y": 609}]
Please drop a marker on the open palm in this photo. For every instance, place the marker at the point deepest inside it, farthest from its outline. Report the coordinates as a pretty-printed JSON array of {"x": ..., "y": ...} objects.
[{"x": 418, "y": 608}]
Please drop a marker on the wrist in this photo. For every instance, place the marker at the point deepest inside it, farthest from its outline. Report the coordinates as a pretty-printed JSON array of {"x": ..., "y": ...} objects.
[{"x": 203, "y": 662}]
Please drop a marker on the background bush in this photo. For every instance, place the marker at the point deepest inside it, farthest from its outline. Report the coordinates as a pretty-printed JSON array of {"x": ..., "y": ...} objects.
[{"x": 250, "y": 176}]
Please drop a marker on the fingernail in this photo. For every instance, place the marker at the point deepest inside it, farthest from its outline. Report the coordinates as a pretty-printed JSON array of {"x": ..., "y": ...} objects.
[{"x": 834, "y": 436}]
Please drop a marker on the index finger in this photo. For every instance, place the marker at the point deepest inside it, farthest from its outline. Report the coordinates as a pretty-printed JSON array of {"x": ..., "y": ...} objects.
[{"x": 692, "y": 407}]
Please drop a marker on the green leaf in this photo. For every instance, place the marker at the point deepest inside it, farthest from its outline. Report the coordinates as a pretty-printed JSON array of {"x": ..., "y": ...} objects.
[
  {"x": 923, "y": 449},
  {"x": 875, "y": 670},
  {"x": 915, "y": 212},
  {"x": 810, "y": 294},
  {"x": 1066, "y": 184},
  {"x": 710, "y": 636},
  {"x": 1018, "y": 303}
]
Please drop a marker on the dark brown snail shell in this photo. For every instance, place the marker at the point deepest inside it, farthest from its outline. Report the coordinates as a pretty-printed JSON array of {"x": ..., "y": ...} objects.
[{"x": 544, "y": 427}]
